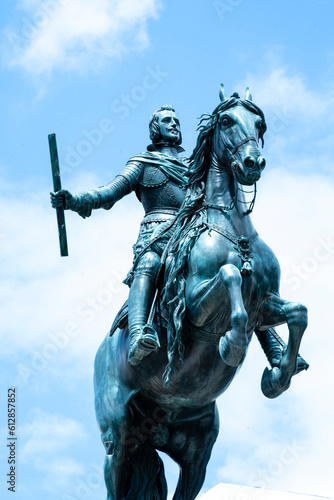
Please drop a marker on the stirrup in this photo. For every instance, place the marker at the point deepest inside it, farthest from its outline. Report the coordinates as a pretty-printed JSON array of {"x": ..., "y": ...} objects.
[{"x": 145, "y": 344}]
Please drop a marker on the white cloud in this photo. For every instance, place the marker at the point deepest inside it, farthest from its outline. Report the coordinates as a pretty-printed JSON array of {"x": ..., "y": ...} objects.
[
  {"x": 56, "y": 311},
  {"x": 48, "y": 444},
  {"x": 76, "y": 34},
  {"x": 288, "y": 92},
  {"x": 299, "y": 119},
  {"x": 47, "y": 435}
]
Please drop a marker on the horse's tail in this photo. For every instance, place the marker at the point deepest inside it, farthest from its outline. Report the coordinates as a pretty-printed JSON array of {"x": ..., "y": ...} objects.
[{"x": 147, "y": 476}]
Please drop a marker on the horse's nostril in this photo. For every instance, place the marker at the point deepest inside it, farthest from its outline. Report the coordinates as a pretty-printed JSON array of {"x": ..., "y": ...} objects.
[
  {"x": 249, "y": 162},
  {"x": 261, "y": 162}
]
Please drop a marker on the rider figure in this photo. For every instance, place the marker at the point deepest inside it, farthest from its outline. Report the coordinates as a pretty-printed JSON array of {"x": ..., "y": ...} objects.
[{"x": 158, "y": 177}]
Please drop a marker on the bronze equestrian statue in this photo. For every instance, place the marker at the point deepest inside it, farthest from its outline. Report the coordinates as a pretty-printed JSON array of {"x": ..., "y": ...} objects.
[{"x": 171, "y": 353}]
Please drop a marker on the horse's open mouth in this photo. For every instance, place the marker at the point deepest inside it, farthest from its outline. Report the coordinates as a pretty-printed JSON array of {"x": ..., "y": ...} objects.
[
  {"x": 253, "y": 177},
  {"x": 248, "y": 178}
]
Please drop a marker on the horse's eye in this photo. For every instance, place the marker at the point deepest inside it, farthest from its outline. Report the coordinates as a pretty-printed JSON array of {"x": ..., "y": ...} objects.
[{"x": 225, "y": 122}]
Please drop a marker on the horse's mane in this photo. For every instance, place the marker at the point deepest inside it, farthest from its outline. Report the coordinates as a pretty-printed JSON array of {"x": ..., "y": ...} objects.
[{"x": 191, "y": 223}]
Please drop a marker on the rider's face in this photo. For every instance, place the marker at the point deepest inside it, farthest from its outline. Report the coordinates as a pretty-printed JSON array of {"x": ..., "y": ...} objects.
[{"x": 169, "y": 126}]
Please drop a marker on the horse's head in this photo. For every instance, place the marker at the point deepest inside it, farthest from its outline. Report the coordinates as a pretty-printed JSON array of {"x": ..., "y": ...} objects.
[{"x": 239, "y": 125}]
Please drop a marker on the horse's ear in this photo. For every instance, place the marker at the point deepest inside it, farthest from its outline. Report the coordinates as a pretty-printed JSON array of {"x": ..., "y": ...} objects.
[
  {"x": 248, "y": 95},
  {"x": 222, "y": 94}
]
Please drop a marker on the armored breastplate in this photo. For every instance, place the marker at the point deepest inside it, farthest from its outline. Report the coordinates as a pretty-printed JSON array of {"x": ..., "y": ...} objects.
[
  {"x": 153, "y": 177},
  {"x": 156, "y": 190}
]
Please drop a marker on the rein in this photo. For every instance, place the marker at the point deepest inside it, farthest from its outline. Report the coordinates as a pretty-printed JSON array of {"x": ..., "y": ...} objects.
[{"x": 252, "y": 203}]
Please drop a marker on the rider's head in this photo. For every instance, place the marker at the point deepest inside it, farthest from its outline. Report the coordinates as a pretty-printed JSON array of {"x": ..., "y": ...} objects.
[{"x": 164, "y": 126}]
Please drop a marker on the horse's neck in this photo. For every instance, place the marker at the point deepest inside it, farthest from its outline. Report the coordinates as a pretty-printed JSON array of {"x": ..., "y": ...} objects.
[{"x": 221, "y": 191}]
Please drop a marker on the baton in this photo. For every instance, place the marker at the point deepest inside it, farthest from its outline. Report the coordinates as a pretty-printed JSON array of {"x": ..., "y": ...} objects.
[{"x": 57, "y": 187}]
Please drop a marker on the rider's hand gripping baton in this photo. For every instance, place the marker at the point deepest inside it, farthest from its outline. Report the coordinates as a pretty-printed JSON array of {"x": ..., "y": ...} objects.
[{"x": 57, "y": 187}]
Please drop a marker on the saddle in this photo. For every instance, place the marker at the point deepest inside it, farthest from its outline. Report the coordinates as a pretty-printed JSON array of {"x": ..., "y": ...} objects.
[{"x": 121, "y": 319}]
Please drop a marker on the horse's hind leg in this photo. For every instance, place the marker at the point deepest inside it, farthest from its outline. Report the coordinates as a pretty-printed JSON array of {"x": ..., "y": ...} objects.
[
  {"x": 190, "y": 446},
  {"x": 273, "y": 312},
  {"x": 115, "y": 470}
]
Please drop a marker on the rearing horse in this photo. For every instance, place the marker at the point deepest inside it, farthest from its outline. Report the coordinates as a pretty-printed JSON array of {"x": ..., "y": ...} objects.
[{"x": 221, "y": 285}]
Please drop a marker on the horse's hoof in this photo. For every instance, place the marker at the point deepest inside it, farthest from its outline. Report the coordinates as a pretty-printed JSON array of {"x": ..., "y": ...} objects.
[
  {"x": 271, "y": 385},
  {"x": 145, "y": 344},
  {"x": 231, "y": 354}
]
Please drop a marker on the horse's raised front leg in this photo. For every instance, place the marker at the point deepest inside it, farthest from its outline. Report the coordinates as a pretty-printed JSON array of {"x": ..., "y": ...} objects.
[
  {"x": 210, "y": 297},
  {"x": 273, "y": 312},
  {"x": 233, "y": 346}
]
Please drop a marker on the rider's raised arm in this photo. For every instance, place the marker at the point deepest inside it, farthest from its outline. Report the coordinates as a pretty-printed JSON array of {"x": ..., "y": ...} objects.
[{"x": 106, "y": 196}]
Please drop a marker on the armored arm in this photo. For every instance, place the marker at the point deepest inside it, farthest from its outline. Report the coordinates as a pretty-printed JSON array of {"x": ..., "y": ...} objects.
[{"x": 106, "y": 196}]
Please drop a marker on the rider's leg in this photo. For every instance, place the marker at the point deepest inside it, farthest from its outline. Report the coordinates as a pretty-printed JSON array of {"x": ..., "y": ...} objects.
[
  {"x": 143, "y": 338},
  {"x": 271, "y": 347}
]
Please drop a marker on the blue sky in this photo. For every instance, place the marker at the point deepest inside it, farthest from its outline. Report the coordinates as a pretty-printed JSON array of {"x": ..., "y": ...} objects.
[{"x": 93, "y": 72}]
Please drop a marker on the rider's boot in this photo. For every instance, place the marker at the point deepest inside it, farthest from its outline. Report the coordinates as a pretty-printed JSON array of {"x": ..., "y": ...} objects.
[
  {"x": 143, "y": 338},
  {"x": 271, "y": 347}
]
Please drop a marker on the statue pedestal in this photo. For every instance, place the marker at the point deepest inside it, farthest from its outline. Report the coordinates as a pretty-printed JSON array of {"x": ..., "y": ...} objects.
[{"x": 235, "y": 492}]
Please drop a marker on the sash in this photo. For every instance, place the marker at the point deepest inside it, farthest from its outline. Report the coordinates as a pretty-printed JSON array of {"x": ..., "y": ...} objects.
[{"x": 174, "y": 168}]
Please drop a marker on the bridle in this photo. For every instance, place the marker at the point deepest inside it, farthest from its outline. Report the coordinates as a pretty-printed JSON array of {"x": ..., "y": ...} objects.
[
  {"x": 231, "y": 150},
  {"x": 235, "y": 167},
  {"x": 241, "y": 143}
]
